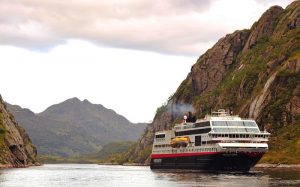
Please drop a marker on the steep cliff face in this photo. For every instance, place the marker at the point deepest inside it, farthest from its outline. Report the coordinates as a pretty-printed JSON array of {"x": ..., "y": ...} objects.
[
  {"x": 253, "y": 72},
  {"x": 16, "y": 149}
]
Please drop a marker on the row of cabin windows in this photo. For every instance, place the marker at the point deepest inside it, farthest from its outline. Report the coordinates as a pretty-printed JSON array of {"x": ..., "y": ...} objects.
[
  {"x": 198, "y": 144},
  {"x": 162, "y": 145},
  {"x": 206, "y": 149},
  {"x": 234, "y": 123},
  {"x": 160, "y": 136},
  {"x": 197, "y": 150},
  {"x": 195, "y": 125},
  {"x": 224, "y": 129},
  {"x": 208, "y": 142},
  {"x": 240, "y": 135},
  {"x": 190, "y": 132},
  {"x": 202, "y": 124}
]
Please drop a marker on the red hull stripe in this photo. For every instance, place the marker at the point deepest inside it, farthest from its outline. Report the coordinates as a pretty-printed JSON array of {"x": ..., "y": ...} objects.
[{"x": 182, "y": 154}]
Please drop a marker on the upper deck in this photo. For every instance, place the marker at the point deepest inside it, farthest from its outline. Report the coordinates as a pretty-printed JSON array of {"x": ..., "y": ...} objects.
[{"x": 219, "y": 123}]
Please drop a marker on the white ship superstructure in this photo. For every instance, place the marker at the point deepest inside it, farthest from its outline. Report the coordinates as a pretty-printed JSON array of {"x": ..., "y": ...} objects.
[{"x": 217, "y": 142}]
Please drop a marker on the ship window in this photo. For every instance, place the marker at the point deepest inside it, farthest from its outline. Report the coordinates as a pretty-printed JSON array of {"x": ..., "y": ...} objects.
[
  {"x": 232, "y": 130},
  {"x": 219, "y": 123},
  {"x": 160, "y": 136},
  {"x": 235, "y": 123},
  {"x": 197, "y": 131},
  {"x": 241, "y": 129},
  {"x": 255, "y": 130},
  {"x": 220, "y": 129},
  {"x": 197, "y": 140},
  {"x": 203, "y": 124},
  {"x": 250, "y": 124}
]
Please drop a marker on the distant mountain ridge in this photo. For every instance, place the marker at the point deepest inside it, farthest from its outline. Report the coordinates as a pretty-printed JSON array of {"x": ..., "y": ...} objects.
[{"x": 75, "y": 127}]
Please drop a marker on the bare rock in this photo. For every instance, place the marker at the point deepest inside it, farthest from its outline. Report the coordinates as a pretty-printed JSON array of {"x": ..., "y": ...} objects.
[
  {"x": 211, "y": 67},
  {"x": 264, "y": 26},
  {"x": 18, "y": 151}
]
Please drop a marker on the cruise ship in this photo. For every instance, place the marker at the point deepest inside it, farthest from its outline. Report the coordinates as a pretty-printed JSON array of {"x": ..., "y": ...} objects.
[{"x": 219, "y": 142}]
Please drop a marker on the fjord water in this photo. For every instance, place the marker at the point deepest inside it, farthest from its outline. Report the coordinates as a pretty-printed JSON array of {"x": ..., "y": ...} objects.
[{"x": 100, "y": 175}]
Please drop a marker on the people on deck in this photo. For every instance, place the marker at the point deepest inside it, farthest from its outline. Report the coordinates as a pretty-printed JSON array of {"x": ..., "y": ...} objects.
[{"x": 190, "y": 117}]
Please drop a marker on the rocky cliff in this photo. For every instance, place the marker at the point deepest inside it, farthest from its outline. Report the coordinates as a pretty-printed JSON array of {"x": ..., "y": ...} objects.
[
  {"x": 16, "y": 149},
  {"x": 255, "y": 73}
]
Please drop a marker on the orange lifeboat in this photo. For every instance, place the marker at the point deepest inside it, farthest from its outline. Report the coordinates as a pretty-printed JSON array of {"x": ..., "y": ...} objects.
[{"x": 180, "y": 141}]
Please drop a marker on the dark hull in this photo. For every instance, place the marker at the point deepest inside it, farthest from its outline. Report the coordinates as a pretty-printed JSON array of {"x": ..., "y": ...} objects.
[{"x": 214, "y": 161}]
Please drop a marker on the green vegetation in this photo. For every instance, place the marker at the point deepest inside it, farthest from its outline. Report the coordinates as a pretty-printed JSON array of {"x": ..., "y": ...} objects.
[
  {"x": 2, "y": 134},
  {"x": 143, "y": 155},
  {"x": 275, "y": 110},
  {"x": 184, "y": 90},
  {"x": 2, "y": 130},
  {"x": 52, "y": 159},
  {"x": 110, "y": 153},
  {"x": 284, "y": 146},
  {"x": 160, "y": 110}
]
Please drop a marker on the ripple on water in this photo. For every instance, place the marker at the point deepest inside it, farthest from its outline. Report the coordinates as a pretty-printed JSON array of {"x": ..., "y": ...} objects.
[{"x": 98, "y": 175}]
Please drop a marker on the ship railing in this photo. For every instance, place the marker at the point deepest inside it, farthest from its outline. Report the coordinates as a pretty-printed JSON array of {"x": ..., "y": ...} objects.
[
  {"x": 215, "y": 135},
  {"x": 264, "y": 132}
]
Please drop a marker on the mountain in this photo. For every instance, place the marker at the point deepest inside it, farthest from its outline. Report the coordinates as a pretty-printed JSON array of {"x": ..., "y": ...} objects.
[
  {"x": 253, "y": 72},
  {"x": 16, "y": 149},
  {"x": 75, "y": 127},
  {"x": 111, "y": 152}
]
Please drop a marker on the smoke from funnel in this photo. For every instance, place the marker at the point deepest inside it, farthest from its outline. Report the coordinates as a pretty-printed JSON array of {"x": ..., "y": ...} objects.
[{"x": 179, "y": 109}]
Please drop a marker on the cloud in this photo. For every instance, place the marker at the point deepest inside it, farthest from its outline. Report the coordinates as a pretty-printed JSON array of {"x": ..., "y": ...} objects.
[
  {"x": 169, "y": 26},
  {"x": 269, "y": 3},
  {"x": 183, "y": 27}
]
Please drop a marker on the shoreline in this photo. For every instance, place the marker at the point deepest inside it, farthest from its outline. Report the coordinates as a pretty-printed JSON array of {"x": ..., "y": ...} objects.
[
  {"x": 125, "y": 164},
  {"x": 9, "y": 166},
  {"x": 277, "y": 166},
  {"x": 256, "y": 167}
]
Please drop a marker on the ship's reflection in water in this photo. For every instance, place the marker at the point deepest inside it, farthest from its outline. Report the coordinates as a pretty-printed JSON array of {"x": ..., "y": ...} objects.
[
  {"x": 274, "y": 177},
  {"x": 87, "y": 175}
]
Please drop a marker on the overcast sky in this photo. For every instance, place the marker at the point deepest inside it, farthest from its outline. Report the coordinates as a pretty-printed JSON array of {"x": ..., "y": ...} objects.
[{"x": 128, "y": 55}]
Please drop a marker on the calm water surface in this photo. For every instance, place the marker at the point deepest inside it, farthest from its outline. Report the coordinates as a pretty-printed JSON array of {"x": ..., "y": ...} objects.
[{"x": 85, "y": 175}]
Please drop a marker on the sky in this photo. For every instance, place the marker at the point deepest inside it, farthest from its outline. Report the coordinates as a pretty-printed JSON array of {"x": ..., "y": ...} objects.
[{"x": 128, "y": 55}]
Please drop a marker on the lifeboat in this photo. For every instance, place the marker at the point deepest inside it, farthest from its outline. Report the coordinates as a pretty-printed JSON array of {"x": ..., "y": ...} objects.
[{"x": 180, "y": 141}]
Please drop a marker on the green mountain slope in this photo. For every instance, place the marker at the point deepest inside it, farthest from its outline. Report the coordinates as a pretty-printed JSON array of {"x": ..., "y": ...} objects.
[
  {"x": 255, "y": 73},
  {"x": 75, "y": 127},
  {"x": 111, "y": 152}
]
